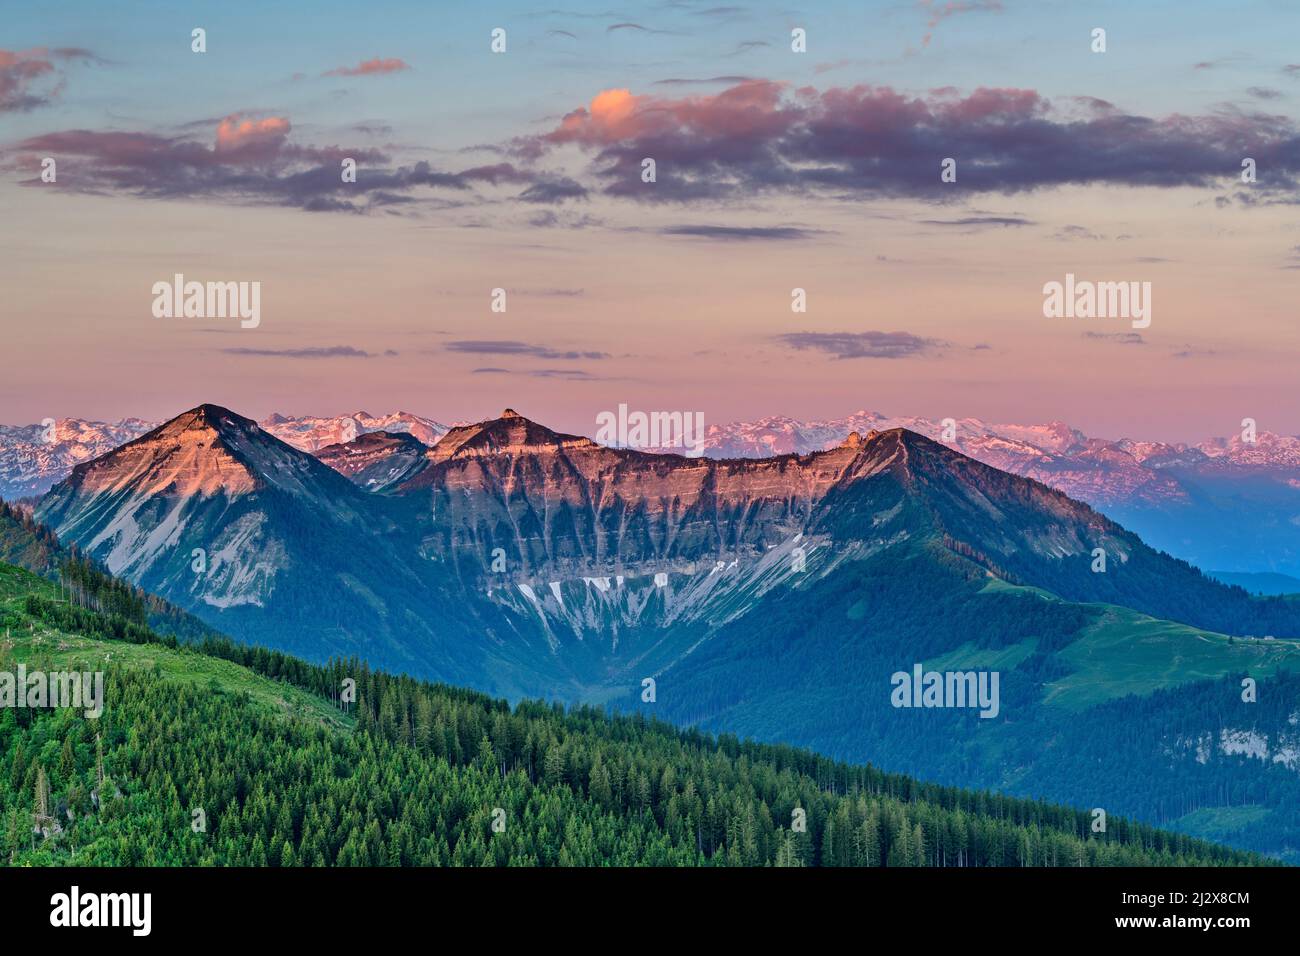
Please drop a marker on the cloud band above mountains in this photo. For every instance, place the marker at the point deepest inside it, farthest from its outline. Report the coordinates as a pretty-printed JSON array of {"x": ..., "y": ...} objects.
[
  {"x": 761, "y": 137},
  {"x": 251, "y": 161},
  {"x": 756, "y": 137}
]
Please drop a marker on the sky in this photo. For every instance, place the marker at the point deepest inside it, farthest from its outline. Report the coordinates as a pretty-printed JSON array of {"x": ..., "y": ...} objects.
[{"x": 775, "y": 170}]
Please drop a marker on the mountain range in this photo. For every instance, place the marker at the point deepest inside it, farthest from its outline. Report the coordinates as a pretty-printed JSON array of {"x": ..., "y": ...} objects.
[
  {"x": 311, "y": 433},
  {"x": 770, "y": 597},
  {"x": 1226, "y": 505},
  {"x": 33, "y": 458}
]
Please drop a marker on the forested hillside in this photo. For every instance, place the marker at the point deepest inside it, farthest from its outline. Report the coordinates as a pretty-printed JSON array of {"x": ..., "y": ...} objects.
[
  {"x": 420, "y": 774},
  {"x": 1099, "y": 704},
  {"x": 29, "y": 544}
]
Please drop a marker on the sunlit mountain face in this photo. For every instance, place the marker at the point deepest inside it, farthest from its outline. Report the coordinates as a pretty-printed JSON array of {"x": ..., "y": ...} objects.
[{"x": 1224, "y": 504}]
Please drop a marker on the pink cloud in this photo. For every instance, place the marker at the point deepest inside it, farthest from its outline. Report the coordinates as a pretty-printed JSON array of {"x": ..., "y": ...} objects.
[
  {"x": 373, "y": 67},
  {"x": 990, "y": 104},
  {"x": 19, "y": 73},
  {"x": 942, "y": 12},
  {"x": 25, "y": 75},
  {"x": 751, "y": 108},
  {"x": 264, "y": 136}
]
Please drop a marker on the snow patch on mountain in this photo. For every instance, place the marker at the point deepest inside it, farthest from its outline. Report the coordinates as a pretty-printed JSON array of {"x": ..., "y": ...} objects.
[
  {"x": 711, "y": 593},
  {"x": 241, "y": 568}
]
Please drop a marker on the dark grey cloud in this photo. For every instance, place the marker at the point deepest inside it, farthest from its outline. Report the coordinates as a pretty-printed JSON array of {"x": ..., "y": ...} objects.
[
  {"x": 741, "y": 233},
  {"x": 569, "y": 374},
  {"x": 706, "y": 81},
  {"x": 979, "y": 222},
  {"x": 1071, "y": 231},
  {"x": 335, "y": 351},
  {"x": 850, "y": 345},
  {"x": 1116, "y": 338},
  {"x": 638, "y": 28},
  {"x": 77, "y": 54},
  {"x": 554, "y": 190},
  {"x": 498, "y": 347},
  {"x": 551, "y": 219}
]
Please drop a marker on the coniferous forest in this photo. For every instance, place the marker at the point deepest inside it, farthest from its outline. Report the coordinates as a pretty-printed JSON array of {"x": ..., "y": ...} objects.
[{"x": 214, "y": 753}]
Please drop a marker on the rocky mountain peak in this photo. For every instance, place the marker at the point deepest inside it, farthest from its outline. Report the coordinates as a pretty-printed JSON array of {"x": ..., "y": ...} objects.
[
  {"x": 510, "y": 434},
  {"x": 220, "y": 417}
]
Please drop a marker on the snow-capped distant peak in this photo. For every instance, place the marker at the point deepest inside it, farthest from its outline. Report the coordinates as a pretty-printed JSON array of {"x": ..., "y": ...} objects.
[
  {"x": 311, "y": 433},
  {"x": 34, "y": 457}
]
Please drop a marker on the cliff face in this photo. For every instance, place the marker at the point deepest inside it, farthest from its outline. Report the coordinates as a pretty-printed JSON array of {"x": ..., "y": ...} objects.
[
  {"x": 561, "y": 504},
  {"x": 376, "y": 461}
]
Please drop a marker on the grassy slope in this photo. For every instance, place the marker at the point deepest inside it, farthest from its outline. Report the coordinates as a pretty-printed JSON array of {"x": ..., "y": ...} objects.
[
  {"x": 1223, "y": 823},
  {"x": 1127, "y": 652},
  {"x": 30, "y": 638}
]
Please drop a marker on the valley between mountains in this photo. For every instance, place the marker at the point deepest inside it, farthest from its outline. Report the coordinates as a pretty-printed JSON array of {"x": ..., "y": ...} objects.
[{"x": 767, "y": 597}]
